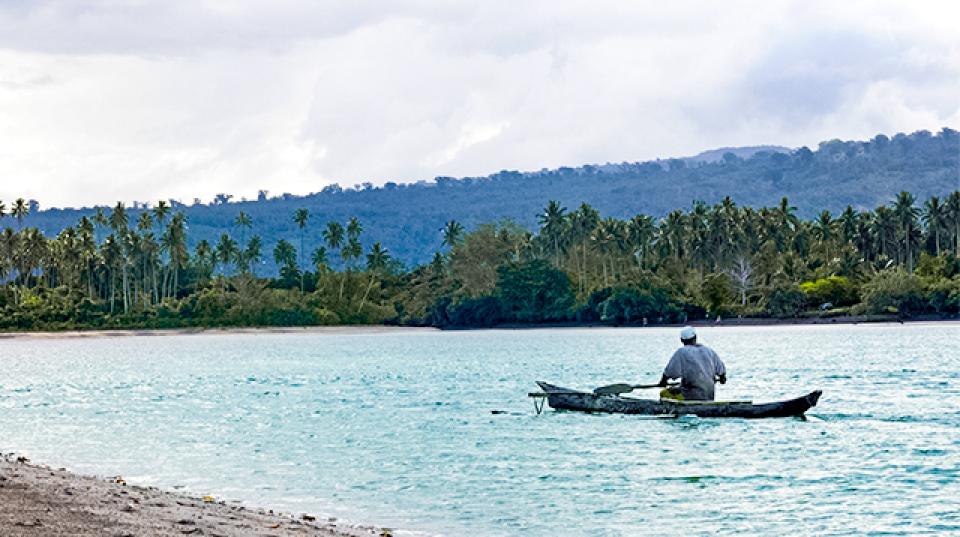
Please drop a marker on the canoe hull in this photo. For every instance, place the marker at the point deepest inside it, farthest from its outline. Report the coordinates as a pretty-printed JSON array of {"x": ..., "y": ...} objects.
[{"x": 566, "y": 399}]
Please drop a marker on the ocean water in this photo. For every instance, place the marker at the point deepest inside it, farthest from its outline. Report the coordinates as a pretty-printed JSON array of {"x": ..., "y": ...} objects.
[{"x": 396, "y": 428}]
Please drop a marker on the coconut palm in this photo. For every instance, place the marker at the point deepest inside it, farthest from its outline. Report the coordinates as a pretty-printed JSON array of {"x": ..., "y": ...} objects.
[
  {"x": 553, "y": 224},
  {"x": 377, "y": 261},
  {"x": 452, "y": 233},
  {"x": 582, "y": 223},
  {"x": 144, "y": 222},
  {"x": 19, "y": 211},
  {"x": 640, "y": 233},
  {"x": 225, "y": 253},
  {"x": 906, "y": 217},
  {"x": 285, "y": 255},
  {"x": 245, "y": 223},
  {"x": 174, "y": 241},
  {"x": 252, "y": 255},
  {"x": 203, "y": 259},
  {"x": 935, "y": 218},
  {"x": 118, "y": 219},
  {"x": 320, "y": 260},
  {"x": 301, "y": 216},
  {"x": 333, "y": 235},
  {"x": 952, "y": 209},
  {"x": 160, "y": 212},
  {"x": 354, "y": 228},
  {"x": 884, "y": 231}
]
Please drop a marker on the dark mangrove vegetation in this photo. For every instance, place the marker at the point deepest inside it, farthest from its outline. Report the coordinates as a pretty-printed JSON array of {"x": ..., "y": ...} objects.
[{"x": 707, "y": 261}]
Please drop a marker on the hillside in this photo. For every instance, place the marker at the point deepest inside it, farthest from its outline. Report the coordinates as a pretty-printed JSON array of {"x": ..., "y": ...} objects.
[{"x": 407, "y": 218}]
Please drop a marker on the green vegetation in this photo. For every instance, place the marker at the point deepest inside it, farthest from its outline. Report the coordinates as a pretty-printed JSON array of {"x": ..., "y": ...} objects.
[
  {"x": 408, "y": 217},
  {"x": 708, "y": 261}
]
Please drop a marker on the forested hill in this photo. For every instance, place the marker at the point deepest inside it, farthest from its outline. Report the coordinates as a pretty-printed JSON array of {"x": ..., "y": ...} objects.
[{"x": 407, "y": 218}]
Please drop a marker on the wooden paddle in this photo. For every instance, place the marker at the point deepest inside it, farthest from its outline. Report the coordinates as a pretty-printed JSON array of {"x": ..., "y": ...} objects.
[{"x": 614, "y": 389}]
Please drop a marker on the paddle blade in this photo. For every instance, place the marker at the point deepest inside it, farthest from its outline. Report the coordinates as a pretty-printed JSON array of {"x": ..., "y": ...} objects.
[{"x": 613, "y": 389}]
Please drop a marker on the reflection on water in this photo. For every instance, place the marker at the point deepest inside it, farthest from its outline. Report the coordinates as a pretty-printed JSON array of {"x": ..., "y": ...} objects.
[{"x": 397, "y": 428}]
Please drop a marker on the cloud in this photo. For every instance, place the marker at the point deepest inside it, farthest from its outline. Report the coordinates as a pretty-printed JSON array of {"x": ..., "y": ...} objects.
[{"x": 141, "y": 100}]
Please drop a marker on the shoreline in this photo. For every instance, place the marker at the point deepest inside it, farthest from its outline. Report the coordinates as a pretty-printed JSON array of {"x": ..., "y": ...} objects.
[
  {"x": 157, "y": 332},
  {"x": 37, "y": 500},
  {"x": 394, "y": 329}
]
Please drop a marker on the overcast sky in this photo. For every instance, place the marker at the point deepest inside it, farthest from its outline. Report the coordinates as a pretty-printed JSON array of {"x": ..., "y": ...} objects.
[{"x": 128, "y": 100}]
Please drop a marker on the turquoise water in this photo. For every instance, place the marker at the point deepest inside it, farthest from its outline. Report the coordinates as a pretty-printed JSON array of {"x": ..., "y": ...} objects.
[{"x": 396, "y": 428}]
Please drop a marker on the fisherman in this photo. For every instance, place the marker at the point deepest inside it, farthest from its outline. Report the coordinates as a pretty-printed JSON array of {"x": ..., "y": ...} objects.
[{"x": 697, "y": 367}]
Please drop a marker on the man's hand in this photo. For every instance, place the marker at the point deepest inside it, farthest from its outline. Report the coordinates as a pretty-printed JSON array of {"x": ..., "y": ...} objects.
[
  {"x": 722, "y": 379},
  {"x": 663, "y": 381}
]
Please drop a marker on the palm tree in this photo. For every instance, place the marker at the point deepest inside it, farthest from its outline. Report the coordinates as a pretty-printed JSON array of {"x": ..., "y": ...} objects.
[
  {"x": 160, "y": 212},
  {"x": 884, "y": 230},
  {"x": 935, "y": 217},
  {"x": 9, "y": 249},
  {"x": 823, "y": 231},
  {"x": 906, "y": 216},
  {"x": 582, "y": 223},
  {"x": 849, "y": 221},
  {"x": 144, "y": 222},
  {"x": 354, "y": 228},
  {"x": 452, "y": 233},
  {"x": 377, "y": 261},
  {"x": 119, "y": 219},
  {"x": 112, "y": 254},
  {"x": 252, "y": 254},
  {"x": 285, "y": 254},
  {"x": 672, "y": 229},
  {"x": 640, "y": 232},
  {"x": 3, "y": 210},
  {"x": 301, "y": 216},
  {"x": 953, "y": 215},
  {"x": 320, "y": 260},
  {"x": 225, "y": 252},
  {"x": 333, "y": 235},
  {"x": 553, "y": 223},
  {"x": 19, "y": 211},
  {"x": 99, "y": 222},
  {"x": 244, "y": 221},
  {"x": 175, "y": 241},
  {"x": 203, "y": 256},
  {"x": 604, "y": 239}
]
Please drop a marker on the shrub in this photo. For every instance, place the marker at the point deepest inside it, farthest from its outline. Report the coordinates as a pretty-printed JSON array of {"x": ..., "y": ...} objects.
[
  {"x": 836, "y": 290},
  {"x": 894, "y": 291},
  {"x": 943, "y": 296},
  {"x": 786, "y": 301},
  {"x": 533, "y": 292},
  {"x": 629, "y": 305}
]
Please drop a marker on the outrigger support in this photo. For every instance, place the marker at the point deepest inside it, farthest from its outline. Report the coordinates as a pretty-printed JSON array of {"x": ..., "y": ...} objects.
[{"x": 539, "y": 399}]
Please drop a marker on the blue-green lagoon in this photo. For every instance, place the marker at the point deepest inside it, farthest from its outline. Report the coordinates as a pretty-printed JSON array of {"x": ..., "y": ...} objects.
[{"x": 395, "y": 428}]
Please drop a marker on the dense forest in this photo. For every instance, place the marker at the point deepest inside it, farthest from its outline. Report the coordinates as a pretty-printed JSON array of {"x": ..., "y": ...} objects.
[
  {"x": 114, "y": 270},
  {"x": 409, "y": 217}
]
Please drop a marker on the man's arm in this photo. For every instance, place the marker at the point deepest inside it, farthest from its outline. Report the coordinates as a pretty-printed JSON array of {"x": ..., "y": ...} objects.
[
  {"x": 673, "y": 369},
  {"x": 721, "y": 369}
]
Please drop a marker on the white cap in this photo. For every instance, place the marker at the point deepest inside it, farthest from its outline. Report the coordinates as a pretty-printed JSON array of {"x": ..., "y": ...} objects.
[{"x": 687, "y": 333}]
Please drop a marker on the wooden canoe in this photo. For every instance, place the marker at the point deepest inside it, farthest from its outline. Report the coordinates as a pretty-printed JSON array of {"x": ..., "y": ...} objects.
[{"x": 566, "y": 399}]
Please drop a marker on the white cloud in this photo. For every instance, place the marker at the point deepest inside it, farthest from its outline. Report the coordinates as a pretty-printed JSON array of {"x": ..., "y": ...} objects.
[{"x": 142, "y": 100}]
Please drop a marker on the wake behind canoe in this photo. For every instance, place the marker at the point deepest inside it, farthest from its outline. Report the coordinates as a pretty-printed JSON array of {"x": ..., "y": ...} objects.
[{"x": 560, "y": 398}]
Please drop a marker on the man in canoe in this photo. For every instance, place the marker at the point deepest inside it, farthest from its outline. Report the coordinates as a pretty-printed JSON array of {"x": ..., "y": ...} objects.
[{"x": 697, "y": 367}]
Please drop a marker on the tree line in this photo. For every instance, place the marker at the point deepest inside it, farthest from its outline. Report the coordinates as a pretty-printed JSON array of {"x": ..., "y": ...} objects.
[
  {"x": 407, "y": 217},
  {"x": 705, "y": 261}
]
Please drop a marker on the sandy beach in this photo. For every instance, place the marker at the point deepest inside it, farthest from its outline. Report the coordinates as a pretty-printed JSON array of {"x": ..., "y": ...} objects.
[
  {"x": 382, "y": 329},
  {"x": 39, "y": 501},
  {"x": 333, "y": 330}
]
